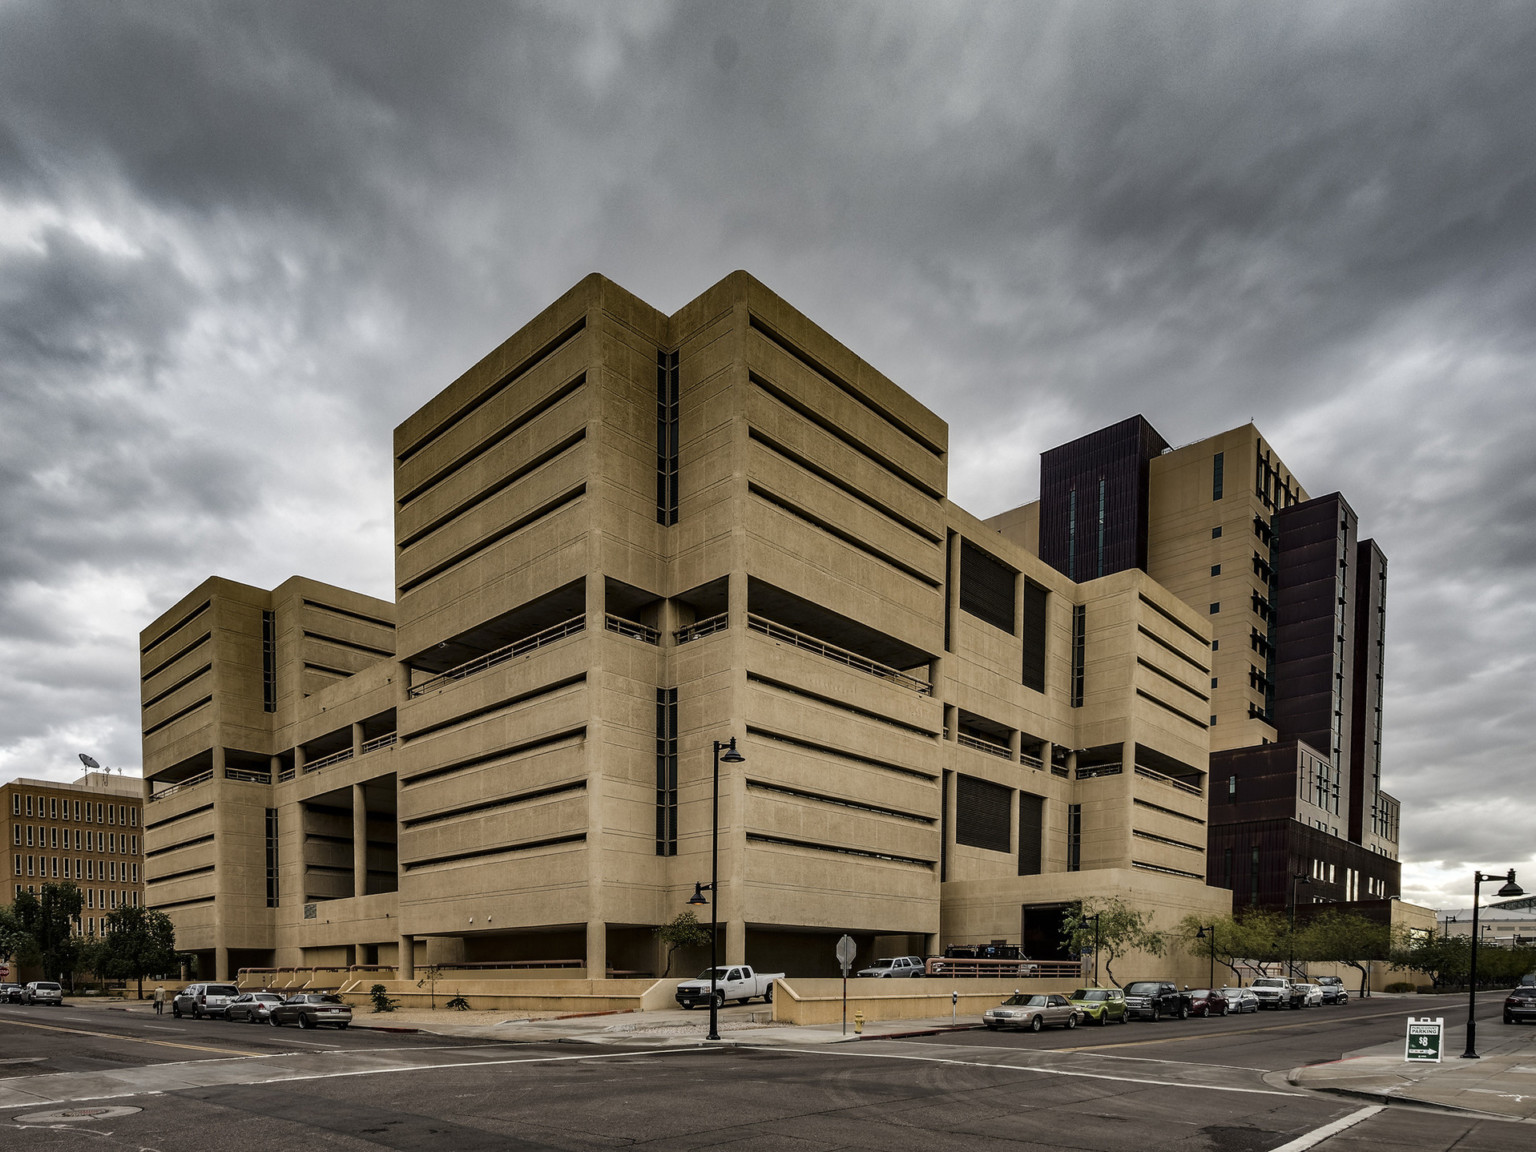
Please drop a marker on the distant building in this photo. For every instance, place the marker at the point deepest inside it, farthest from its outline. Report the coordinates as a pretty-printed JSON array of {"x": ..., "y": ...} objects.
[
  {"x": 88, "y": 834},
  {"x": 1296, "y": 604}
]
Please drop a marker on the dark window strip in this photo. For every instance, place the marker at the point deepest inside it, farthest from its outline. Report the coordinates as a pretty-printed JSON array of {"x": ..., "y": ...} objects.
[
  {"x": 545, "y": 743},
  {"x": 824, "y": 749},
  {"x": 840, "y": 705},
  {"x": 169, "y": 720},
  {"x": 1174, "y": 620},
  {"x": 187, "y": 815},
  {"x": 499, "y": 705},
  {"x": 349, "y": 614},
  {"x": 491, "y": 805},
  {"x": 208, "y": 839},
  {"x": 168, "y": 661},
  {"x": 182, "y": 683},
  {"x": 1137, "y": 832},
  {"x": 502, "y": 850},
  {"x": 365, "y": 649},
  {"x": 822, "y": 798},
  {"x": 847, "y": 538},
  {"x": 787, "y": 842},
  {"x": 176, "y": 627},
  {"x": 148, "y": 879},
  {"x": 468, "y": 553},
  {"x": 1167, "y": 811},
  {"x": 1169, "y": 707},
  {"x": 1171, "y": 678},
  {"x": 1158, "y": 640}
]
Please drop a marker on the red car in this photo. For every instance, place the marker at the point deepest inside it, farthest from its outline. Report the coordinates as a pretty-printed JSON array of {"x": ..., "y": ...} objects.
[{"x": 1206, "y": 1002}]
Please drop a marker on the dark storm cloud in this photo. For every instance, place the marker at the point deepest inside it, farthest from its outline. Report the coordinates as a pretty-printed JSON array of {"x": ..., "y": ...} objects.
[{"x": 240, "y": 241}]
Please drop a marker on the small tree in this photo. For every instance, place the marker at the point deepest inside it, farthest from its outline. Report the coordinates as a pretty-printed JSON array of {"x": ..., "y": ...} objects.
[
  {"x": 1225, "y": 941},
  {"x": 1263, "y": 937},
  {"x": 682, "y": 931},
  {"x": 1118, "y": 931},
  {"x": 382, "y": 1000},
  {"x": 138, "y": 942},
  {"x": 1344, "y": 938},
  {"x": 42, "y": 929},
  {"x": 1445, "y": 959}
]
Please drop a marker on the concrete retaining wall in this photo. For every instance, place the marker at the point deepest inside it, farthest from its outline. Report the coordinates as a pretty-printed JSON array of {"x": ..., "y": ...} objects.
[{"x": 820, "y": 1001}]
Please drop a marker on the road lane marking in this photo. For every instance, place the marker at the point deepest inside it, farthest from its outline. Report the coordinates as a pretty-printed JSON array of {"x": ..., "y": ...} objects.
[
  {"x": 1042, "y": 1071},
  {"x": 135, "y": 1039},
  {"x": 1318, "y": 1135},
  {"x": 1174, "y": 1038}
]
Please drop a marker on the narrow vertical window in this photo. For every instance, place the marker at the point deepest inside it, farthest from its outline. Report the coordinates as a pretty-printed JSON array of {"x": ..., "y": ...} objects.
[
  {"x": 666, "y": 437},
  {"x": 1216, "y": 472},
  {"x": 1254, "y": 877},
  {"x": 1072, "y": 534},
  {"x": 272, "y": 868},
  {"x": 666, "y": 771},
  {"x": 269, "y": 661},
  {"x": 1033, "y": 629},
  {"x": 1074, "y": 837},
  {"x": 1100, "y": 569},
  {"x": 1079, "y": 651}
]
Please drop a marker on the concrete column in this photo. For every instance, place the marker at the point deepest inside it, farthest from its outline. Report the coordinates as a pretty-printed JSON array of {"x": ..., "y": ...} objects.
[
  {"x": 359, "y": 837},
  {"x": 1047, "y": 750},
  {"x": 221, "y": 965},
  {"x": 951, "y": 722},
  {"x": 952, "y": 592},
  {"x": 931, "y": 944},
  {"x": 1128, "y": 757},
  {"x": 1015, "y": 745},
  {"x": 735, "y": 942},
  {"x": 405, "y": 962},
  {"x": 597, "y": 950},
  {"x": 357, "y": 740},
  {"x": 298, "y": 759},
  {"x": 402, "y": 684},
  {"x": 736, "y": 599},
  {"x": 218, "y": 763}
]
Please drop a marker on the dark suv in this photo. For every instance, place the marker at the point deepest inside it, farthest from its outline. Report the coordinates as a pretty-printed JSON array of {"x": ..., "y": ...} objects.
[{"x": 1154, "y": 999}]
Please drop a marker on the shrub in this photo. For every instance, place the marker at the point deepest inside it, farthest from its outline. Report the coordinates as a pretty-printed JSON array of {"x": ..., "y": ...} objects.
[
  {"x": 382, "y": 1001},
  {"x": 459, "y": 1004},
  {"x": 1401, "y": 986}
]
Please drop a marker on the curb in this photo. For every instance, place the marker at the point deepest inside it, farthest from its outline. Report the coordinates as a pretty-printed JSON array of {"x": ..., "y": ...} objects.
[
  {"x": 1409, "y": 1102},
  {"x": 924, "y": 1032}
]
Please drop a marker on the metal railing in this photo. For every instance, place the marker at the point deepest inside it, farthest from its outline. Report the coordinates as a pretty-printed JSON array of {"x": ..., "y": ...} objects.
[
  {"x": 706, "y": 627},
  {"x": 180, "y": 785},
  {"x": 1094, "y": 771},
  {"x": 1161, "y": 779},
  {"x": 502, "y": 655},
  {"x": 630, "y": 628},
  {"x": 1048, "y": 969},
  {"x": 247, "y": 776},
  {"x": 1031, "y": 761},
  {"x": 285, "y": 775},
  {"x": 327, "y": 761},
  {"x": 378, "y": 742},
  {"x": 841, "y": 655},
  {"x": 986, "y": 746},
  {"x": 1060, "y": 770}
]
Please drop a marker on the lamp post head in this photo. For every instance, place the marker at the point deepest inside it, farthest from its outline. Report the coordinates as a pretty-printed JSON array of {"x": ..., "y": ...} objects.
[
  {"x": 1200, "y": 935},
  {"x": 698, "y": 894},
  {"x": 1511, "y": 888},
  {"x": 729, "y": 755}
]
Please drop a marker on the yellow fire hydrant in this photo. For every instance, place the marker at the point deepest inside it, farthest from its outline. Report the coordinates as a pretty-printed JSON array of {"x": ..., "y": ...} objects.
[{"x": 858, "y": 1022}]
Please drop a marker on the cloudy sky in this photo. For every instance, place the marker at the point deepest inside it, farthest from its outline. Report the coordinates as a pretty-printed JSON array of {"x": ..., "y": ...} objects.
[{"x": 240, "y": 242}]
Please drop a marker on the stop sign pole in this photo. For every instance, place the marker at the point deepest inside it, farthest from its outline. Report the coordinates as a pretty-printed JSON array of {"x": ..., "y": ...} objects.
[{"x": 845, "y": 953}]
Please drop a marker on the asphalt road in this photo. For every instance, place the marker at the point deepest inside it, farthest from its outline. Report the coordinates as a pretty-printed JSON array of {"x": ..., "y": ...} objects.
[{"x": 1196, "y": 1086}]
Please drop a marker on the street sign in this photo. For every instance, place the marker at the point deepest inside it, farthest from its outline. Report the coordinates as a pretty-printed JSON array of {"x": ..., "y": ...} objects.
[
  {"x": 846, "y": 950},
  {"x": 1424, "y": 1037}
]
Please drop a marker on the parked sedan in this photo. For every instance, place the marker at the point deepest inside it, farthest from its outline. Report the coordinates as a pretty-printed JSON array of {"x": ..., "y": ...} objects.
[
  {"x": 252, "y": 1007},
  {"x": 310, "y": 1010},
  {"x": 1240, "y": 1000},
  {"x": 1033, "y": 1012},
  {"x": 11, "y": 993},
  {"x": 1207, "y": 1002},
  {"x": 1334, "y": 991},
  {"x": 1100, "y": 1005},
  {"x": 1309, "y": 995},
  {"x": 43, "y": 992},
  {"x": 1520, "y": 1004}
]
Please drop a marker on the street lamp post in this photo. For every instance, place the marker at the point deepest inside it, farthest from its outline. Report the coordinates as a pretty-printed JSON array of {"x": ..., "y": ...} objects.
[
  {"x": 725, "y": 752},
  {"x": 1296, "y": 878},
  {"x": 1210, "y": 932},
  {"x": 1510, "y": 888}
]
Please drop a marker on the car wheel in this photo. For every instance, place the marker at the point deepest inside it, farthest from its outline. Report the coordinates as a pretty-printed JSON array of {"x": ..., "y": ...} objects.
[
  {"x": 1071, "y": 1022},
  {"x": 1156, "y": 1014},
  {"x": 272, "y": 1020},
  {"x": 341, "y": 1027},
  {"x": 718, "y": 1001},
  {"x": 175, "y": 1012},
  {"x": 686, "y": 1005},
  {"x": 1104, "y": 1018},
  {"x": 1205, "y": 1010},
  {"x": 1508, "y": 1019},
  {"x": 1036, "y": 1024},
  {"x": 768, "y": 995},
  {"x": 991, "y": 1027},
  {"x": 197, "y": 1013},
  {"x": 306, "y": 1022},
  {"x": 1225, "y": 1008},
  {"x": 1183, "y": 1011}
]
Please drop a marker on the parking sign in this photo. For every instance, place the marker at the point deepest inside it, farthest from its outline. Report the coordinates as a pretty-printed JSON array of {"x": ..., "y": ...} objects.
[{"x": 1424, "y": 1036}]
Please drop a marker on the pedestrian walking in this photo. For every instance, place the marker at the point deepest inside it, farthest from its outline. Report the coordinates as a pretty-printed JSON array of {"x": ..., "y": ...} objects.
[{"x": 160, "y": 1000}]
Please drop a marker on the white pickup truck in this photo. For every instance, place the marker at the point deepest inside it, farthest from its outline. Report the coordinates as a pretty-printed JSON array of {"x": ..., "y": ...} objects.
[{"x": 735, "y": 982}]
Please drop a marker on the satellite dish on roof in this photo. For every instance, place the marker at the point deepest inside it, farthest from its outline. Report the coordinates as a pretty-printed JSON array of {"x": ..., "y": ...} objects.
[{"x": 88, "y": 761}]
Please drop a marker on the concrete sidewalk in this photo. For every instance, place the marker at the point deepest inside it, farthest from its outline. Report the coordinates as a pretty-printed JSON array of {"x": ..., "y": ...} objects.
[{"x": 1502, "y": 1083}]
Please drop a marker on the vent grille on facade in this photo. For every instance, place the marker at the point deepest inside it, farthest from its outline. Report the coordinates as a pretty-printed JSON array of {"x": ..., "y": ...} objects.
[
  {"x": 982, "y": 818},
  {"x": 666, "y": 771},
  {"x": 269, "y": 661},
  {"x": 1031, "y": 818},
  {"x": 666, "y": 437},
  {"x": 1079, "y": 651},
  {"x": 986, "y": 586},
  {"x": 1033, "y": 628}
]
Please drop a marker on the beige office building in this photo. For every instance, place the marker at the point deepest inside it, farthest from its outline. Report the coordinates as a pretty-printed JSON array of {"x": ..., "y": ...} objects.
[
  {"x": 620, "y": 538},
  {"x": 87, "y": 833}
]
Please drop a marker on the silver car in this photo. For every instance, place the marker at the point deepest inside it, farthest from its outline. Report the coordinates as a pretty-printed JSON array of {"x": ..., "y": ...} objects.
[
  {"x": 43, "y": 992},
  {"x": 1240, "y": 1000},
  {"x": 1310, "y": 995},
  {"x": 1033, "y": 1012},
  {"x": 252, "y": 1007}
]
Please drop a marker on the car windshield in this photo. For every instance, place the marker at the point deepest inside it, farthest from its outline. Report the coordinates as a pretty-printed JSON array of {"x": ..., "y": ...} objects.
[
  {"x": 223, "y": 990},
  {"x": 1269, "y": 982},
  {"x": 326, "y": 999},
  {"x": 1200, "y": 993},
  {"x": 1018, "y": 1000},
  {"x": 1089, "y": 994},
  {"x": 43, "y": 987},
  {"x": 1144, "y": 988},
  {"x": 719, "y": 973},
  {"x": 883, "y": 964}
]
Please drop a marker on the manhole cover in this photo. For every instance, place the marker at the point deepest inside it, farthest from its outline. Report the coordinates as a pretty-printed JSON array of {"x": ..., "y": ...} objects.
[{"x": 64, "y": 1115}]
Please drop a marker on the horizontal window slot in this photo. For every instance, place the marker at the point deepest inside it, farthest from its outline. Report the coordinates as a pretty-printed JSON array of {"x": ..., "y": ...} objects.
[
  {"x": 187, "y": 815},
  {"x": 1174, "y": 620},
  {"x": 841, "y": 802},
  {"x": 349, "y": 614},
  {"x": 843, "y": 386},
  {"x": 1172, "y": 679},
  {"x": 805, "y": 412},
  {"x": 501, "y": 485},
  {"x": 177, "y": 627},
  {"x": 1138, "y": 833},
  {"x": 839, "y": 705},
  {"x": 1158, "y": 640},
  {"x": 502, "y": 850},
  {"x": 169, "y": 660},
  {"x": 512, "y": 801},
  {"x": 339, "y": 672},
  {"x": 168, "y": 877},
  {"x": 208, "y": 839},
  {"x": 1167, "y": 811},
  {"x": 504, "y": 381},
  {"x": 1163, "y": 704},
  {"x": 161, "y": 905},
  {"x": 811, "y": 846},
  {"x": 527, "y": 521},
  {"x": 465, "y": 459},
  {"x": 1145, "y": 867},
  {"x": 847, "y": 538},
  {"x": 843, "y": 486},
  {"x": 853, "y": 757},
  {"x": 176, "y": 687},
  {"x": 498, "y": 706},
  {"x": 351, "y": 645},
  {"x": 169, "y": 720}
]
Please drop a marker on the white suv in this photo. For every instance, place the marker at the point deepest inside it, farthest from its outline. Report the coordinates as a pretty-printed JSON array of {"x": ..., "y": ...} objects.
[
  {"x": 895, "y": 966},
  {"x": 43, "y": 992},
  {"x": 200, "y": 1000}
]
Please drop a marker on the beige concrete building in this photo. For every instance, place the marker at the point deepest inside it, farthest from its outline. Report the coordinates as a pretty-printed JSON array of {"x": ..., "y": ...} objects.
[
  {"x": 621, "y": 537},
  {"x": 88, "y": 834}
]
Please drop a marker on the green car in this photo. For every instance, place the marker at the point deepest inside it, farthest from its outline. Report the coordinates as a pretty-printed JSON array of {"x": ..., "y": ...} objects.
[{"x": 1100, "y": 1005}]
